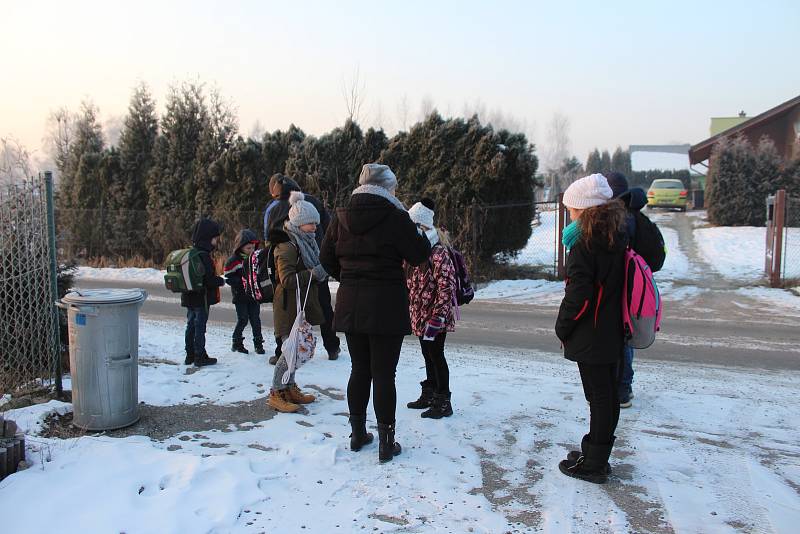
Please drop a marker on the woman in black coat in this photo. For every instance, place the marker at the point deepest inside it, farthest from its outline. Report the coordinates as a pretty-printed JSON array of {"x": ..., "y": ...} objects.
[
  {"x": 589, "y": 321},
  {"x": 364, "y": 248}
]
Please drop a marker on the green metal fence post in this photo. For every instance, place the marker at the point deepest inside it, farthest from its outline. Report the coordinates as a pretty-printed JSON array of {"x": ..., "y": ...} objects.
[{"x": 51, "y": 234}]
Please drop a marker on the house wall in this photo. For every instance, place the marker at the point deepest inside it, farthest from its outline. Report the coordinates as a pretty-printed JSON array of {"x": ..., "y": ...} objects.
[{"x": 781, "y": 131}]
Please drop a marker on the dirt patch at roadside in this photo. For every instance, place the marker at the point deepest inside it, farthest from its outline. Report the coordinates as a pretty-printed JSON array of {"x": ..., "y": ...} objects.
[{"x": 162, "y": 422}]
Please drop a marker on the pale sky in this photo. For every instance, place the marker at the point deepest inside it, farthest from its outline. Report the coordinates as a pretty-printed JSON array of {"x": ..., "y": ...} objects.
[{"x": 622, "y": 72}]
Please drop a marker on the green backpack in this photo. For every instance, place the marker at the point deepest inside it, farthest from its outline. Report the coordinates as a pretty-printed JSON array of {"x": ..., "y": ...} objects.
[{"x": 184, "y": 271}]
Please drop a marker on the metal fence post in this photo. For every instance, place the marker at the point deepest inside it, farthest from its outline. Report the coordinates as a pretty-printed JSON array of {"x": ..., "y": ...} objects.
[
  {"x": 562, "y": 223},
  {"x": 51, "y": 238},
  {"x": 475, "y": 253}
]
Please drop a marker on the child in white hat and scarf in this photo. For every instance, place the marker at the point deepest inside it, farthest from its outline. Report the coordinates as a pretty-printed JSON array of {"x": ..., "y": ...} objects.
[{"x": 431, "y": 288}]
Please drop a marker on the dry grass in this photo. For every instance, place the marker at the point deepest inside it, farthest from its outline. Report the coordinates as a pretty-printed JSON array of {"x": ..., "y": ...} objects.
[{"x": 134, "y": 261}]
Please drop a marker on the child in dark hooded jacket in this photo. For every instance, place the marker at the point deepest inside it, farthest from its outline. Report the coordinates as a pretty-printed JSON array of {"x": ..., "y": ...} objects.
[
  {"x": 205, "y": 235},
  {"x": 247, "y": 309}
]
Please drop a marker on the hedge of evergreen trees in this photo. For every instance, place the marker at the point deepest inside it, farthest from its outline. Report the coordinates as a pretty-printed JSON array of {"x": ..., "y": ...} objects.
[
  {"x": 742, "y": 176},
  {"x": 142, "y": 196},
  {"x": 620, "y": 161}
]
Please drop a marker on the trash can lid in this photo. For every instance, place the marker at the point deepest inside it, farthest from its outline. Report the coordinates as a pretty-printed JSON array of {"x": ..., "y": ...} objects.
[{"x": 104, "y": 296}]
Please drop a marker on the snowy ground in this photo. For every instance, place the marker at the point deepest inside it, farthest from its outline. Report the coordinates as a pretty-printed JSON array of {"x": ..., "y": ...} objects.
[{"x": 694, "y": 454}]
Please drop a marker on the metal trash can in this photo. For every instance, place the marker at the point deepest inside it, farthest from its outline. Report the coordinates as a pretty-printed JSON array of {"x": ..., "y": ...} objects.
[{"x": 104, "y": 356}]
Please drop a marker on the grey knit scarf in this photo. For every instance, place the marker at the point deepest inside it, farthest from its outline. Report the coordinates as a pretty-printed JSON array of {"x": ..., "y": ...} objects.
[
  {"x": 306, "y": 244},
  {"x": 381, "y": 192}
]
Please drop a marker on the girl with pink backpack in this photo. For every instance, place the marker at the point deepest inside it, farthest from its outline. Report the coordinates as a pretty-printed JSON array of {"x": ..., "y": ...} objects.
[{"x": 590, "y": 322}]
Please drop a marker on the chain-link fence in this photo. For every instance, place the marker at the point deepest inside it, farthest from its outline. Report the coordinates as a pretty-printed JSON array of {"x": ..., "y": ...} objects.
[
  {"x": 28, "y": 346},
  {"x": 143, "y": 238},
  {"x": 539, "y": 255},
  {"x": 791, "y": 241},
  {"x": 140, "y": 237}
]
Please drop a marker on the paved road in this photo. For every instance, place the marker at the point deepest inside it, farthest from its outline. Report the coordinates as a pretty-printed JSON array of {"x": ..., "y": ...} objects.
[{"x": 721, "y": 328}]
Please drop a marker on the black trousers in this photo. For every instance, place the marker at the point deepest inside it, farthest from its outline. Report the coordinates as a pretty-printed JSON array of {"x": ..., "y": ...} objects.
[
  {"x": 437, "y": 374},
  {"x": 329, "y": 338},
  {"x": 601, "y": 387},
  {"x": 248, "y": 312},
  {"x": 374, "y": 363}
]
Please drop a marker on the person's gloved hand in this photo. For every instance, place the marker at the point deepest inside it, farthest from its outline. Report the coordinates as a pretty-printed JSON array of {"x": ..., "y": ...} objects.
[
  {"x": 319, "y": 273},
  {"x": 434, "y": 327}
]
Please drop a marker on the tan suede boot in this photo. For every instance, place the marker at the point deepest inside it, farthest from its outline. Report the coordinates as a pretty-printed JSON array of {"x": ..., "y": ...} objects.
[
  {"x": 279, "y": 400},
  {"x": 294, "y": 394}
]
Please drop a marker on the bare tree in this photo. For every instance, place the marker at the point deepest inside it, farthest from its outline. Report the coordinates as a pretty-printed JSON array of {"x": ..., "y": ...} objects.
[
  {"x": 379, "y": 119},
  {"x": 257, "y": 131},
  {"x": 402, "y": 113},
  {"x": 15, "y": 161},
  {"x": 558, "y": 141},
  {"x": 557, "y": 153},
  {"x": 354, "y": 93},
  {"x": 58, "y": 139},
  {"x": 426, "y": 107}
]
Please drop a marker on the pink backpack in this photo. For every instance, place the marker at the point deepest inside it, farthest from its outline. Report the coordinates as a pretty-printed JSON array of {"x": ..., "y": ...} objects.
[{"x": 641, "y": 302}]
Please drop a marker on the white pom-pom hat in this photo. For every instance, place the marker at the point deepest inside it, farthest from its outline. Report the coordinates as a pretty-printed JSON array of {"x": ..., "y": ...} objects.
[
  {"x": 301, "y": 211},
  {"x": 588, "y": 192}
]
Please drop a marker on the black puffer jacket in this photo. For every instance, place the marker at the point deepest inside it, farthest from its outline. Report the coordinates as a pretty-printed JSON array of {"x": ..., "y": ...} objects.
[
  {"x": 364, "y": 249},
  {"x": 203, "y": 232},
  {"x": 279, "y": 212},
  {"x": 234, "y": 266},
  {"x": 589, "y": 321}
]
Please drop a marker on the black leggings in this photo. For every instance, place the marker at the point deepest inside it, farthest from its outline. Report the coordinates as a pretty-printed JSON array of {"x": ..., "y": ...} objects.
[
  {"x": 437, "y": 374},
  {"x": 601, "y": 387},
  {"x": 374, "y": 362}
]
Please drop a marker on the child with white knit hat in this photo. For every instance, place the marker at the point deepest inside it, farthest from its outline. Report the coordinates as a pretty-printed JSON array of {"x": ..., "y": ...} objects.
[
  {"x": 431, "y": 290},
  {"x": 589, "y": 323}
]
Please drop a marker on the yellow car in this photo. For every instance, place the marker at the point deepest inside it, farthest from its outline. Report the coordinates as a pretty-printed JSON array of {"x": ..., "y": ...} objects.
[{"x": 667, "y": 194}]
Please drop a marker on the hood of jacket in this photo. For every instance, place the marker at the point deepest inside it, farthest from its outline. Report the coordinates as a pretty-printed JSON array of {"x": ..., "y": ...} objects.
[
  {"x": 364, "y": 213},
  {"x": 277, "y": 236},
  {"x": 203, "y": 232},
  {"x": 243, "y": 238},
  {"x": 635, "y": 199}
]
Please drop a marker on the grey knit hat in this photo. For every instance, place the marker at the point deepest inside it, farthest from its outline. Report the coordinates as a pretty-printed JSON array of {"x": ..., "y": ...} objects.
[
  {"x": 377, "y": 174},
  {"x": 300, "y": 211}
]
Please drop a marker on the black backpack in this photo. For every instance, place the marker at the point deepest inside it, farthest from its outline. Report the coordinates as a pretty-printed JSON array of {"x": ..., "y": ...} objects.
[
  {"x": 259, "y": 276},
  {"x": 464, "y": 290},
  {"x": 648, "y": 242}
]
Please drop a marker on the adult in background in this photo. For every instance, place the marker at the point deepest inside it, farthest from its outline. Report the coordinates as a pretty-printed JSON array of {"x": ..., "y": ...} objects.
[
  {"x": 364, "y": 248},
  {"x": 646, "y": 239},
  {"x": 275, "y": 215},
  {"x": 589, "y": 322}
]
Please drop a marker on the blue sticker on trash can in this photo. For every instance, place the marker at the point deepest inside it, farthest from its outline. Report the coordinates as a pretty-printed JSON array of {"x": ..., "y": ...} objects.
[{"x": 80, "y": 319}]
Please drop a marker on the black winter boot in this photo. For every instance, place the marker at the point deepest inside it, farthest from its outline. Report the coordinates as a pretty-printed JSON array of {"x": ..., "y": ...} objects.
[
  {"x": 202, "y": 360},
  {"x": 572, "y": 456},
  {"x": 189, "y": 360},
  {"x": 359, "y": 435},
  {"x": 425, "y": 398},
  {"x": 388, "y": 448},
  {"x": 591, "y": 465},
  {"x": 440, "y": 407},
  {"x": 259, "y": 346},
  {"x": 238, "y": 346}
]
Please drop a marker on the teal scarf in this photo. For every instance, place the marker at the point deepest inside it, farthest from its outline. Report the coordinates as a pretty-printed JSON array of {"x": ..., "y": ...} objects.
[{"x": 571, "y": 234}]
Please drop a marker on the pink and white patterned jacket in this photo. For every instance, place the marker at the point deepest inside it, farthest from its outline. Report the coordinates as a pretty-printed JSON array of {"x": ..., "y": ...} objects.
[{"x": 431, "y": 288}]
